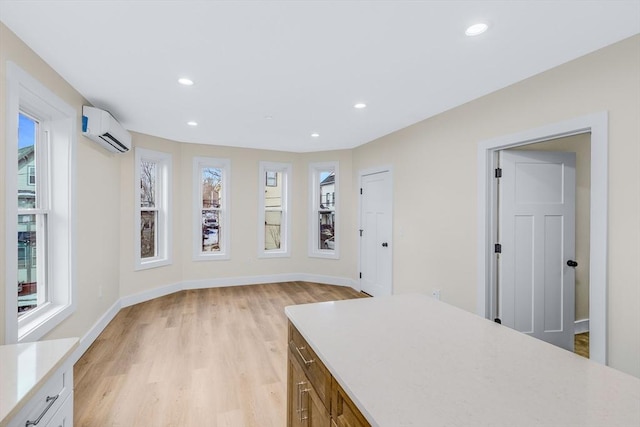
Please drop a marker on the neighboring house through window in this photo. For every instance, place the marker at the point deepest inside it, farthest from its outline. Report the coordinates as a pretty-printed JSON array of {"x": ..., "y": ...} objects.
[
  {"x": 153, "y": 202},
  {"x": 40, "y": 188},
  {"x": 323, "y": 213},
  {"x": 211, "y": 213},
  {"x": 274, "y": 201}
]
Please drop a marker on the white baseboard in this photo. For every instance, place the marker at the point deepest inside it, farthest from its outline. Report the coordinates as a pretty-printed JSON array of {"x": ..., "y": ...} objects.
[
  {"x": 94, "y": 332},
  {"x": 581, "y": 326},
  {"x": 150, "y": 294},
  {"x": 98, "y": 327}
]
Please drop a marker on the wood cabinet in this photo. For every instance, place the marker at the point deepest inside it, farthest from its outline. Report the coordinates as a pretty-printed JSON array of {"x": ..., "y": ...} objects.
[
  {"x": 343, "y": 412},
  {"x": 314, "y": 398}
]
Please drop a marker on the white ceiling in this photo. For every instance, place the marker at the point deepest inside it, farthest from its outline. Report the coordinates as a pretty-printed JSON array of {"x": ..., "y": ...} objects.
[{"x": 304, "y": 64}]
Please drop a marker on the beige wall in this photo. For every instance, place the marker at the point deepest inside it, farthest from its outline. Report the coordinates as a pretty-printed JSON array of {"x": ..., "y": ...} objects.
[
  {"x": 435, "y": 175},
  {"x": 98, "y": 200},
  {"x": 435, "y": 200},
  {"x": 581, "y": 145}
]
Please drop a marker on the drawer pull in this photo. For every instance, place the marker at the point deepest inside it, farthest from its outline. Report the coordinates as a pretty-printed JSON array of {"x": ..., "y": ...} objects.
[
  {"x": 50, "y": 400},
  {"x": 306, "y": 362}
]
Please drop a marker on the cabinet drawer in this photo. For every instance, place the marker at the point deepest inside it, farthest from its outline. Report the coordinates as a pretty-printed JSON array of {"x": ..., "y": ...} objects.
[
  {"x": 64, "y": 416},
  {"x": 46, "y": 401},
  {"x": 313, "y": 368},
  {"x": 343, "y": 412}
]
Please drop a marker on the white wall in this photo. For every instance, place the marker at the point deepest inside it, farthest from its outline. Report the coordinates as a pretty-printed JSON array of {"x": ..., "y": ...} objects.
[{"x": 435, "y": 172}]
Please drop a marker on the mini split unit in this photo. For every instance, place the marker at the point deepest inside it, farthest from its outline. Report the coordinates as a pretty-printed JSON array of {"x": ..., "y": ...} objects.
[{"x": 100, "y": 126}]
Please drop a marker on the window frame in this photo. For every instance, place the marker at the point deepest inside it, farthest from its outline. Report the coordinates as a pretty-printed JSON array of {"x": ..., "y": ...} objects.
[
  {"x": 163, "y": 195},
  {"x": 314, "y": 251},
  {"x": 200, "y": 163},
  {"x": 26, "y": 95},
  {"x": 285, "y": 235}
]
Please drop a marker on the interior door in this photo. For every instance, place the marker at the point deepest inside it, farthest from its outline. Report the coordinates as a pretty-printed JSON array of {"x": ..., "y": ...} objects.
[
  {"x": 536, "y": 226},
  {"x": 375, "y": 230}
]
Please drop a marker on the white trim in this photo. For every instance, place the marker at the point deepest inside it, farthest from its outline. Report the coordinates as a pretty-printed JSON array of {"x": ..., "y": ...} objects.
[
  {"x": 581, "y": 326},
  {"x": 150, "y": 294},
  {"x": 95, "y": 331},
  {"x": 26, "y": 93},
  {"x": 597, "y": 124},
  {"x": 164, "y": 233},
  {"x": 314, "y": 187},
  {"x": 287, "y": 182},
  {"x": 225, "y": 209}
]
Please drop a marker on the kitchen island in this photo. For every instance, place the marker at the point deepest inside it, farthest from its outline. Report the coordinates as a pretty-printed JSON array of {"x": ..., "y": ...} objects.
[{"x": 410, "y": 360}]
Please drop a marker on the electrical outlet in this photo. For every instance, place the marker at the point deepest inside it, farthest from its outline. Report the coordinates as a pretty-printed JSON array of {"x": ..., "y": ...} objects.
[{"x": 436, "y": 294}]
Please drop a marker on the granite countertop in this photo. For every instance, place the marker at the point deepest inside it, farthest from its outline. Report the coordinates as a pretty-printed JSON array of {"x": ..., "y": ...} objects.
[
  {"x": 410, "y": 360},
  {"x": 24, "y": 368}
]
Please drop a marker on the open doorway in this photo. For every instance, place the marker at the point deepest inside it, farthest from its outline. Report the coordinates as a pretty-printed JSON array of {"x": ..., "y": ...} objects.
[{"x": 592, "y": 280}]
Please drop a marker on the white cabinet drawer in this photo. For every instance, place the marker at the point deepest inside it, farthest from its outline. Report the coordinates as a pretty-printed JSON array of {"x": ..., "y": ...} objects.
[
  {"x": 64, "y": 416},
  {"x": 46, "y": 401}
]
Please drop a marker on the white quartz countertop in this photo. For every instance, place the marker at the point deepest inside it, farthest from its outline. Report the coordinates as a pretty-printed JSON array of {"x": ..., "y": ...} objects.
[
  {"x": 24, "y": 368},
  {"x": 410, "y": 360}
]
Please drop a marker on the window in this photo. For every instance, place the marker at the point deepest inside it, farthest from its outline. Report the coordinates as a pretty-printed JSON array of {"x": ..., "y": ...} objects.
[
  {"x": 31, "y": 170},
  {"x": 153, "y": 201},
  {"x": 211, "y": 212},
  {"x": 40, "y": 174},
  {"x": 274, "y": 235},
  {"x": 323, "y": 236}
]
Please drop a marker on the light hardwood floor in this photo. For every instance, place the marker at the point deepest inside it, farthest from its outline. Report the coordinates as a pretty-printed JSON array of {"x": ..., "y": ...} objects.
[{"x": 210, "y": 357}]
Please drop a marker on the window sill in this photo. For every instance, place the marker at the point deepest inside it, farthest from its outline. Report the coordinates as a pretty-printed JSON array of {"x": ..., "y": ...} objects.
[
  {"x": 328, "y": 254},
  {"x": 37, "y": 324},
  {"x": 274, "y": 254},
  {"x": 146, "y": 265},
  {"x": 212, "y": 257}
]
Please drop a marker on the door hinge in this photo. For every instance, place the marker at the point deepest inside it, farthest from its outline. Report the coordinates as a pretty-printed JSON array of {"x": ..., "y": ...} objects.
[
  {"x": 497, "y": 248},
  {"x": 361, "y": 232},
  {"x": 498, "y": 173},
  {"x": 361, "y": 275},
  {"x": 360, "y": 190}
]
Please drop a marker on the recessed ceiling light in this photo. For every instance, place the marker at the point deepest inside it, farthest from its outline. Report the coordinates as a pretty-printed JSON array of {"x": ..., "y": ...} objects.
[
  {"x": 192, "y": 123},
  {"x": 185, "y": 81},
  {"x": 360, "y": 105},
  {"x": 476, "y": 29},
  {"x": 315, "y": 135}
]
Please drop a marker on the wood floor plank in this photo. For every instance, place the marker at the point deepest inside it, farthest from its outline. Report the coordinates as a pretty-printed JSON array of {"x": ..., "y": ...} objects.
[{"x": 214, "y": 357}]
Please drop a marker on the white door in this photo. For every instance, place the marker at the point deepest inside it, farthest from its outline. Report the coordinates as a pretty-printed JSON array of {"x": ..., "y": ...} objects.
[
  {"x": 375, "y": 229},
  {"x": 536, "y": 279}
]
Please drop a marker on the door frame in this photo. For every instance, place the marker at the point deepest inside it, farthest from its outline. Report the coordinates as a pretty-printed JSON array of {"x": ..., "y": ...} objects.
[
  {"x": 361, "y": 174},
  {"x": 597, "y": 125}
]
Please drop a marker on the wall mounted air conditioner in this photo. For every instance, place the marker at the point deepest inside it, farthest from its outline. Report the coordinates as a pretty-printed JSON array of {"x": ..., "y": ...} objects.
[{"x": 100, "y": 126}]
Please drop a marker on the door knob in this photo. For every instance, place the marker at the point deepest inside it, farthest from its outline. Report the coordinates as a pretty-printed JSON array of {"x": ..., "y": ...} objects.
[
  {"x": 572, "y": 263},
  {"x": 385, "y": 244}
]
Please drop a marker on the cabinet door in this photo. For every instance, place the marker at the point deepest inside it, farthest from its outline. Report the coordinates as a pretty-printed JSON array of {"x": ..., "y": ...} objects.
[
  {"x": 343, "y": 412},
  {"x": 305, "y": 408}
]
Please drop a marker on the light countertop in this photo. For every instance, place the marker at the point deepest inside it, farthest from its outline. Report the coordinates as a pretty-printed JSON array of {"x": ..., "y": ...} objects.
[
  {"x": 24, "y": 368},
  {"x": 410, "y": 360}
]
